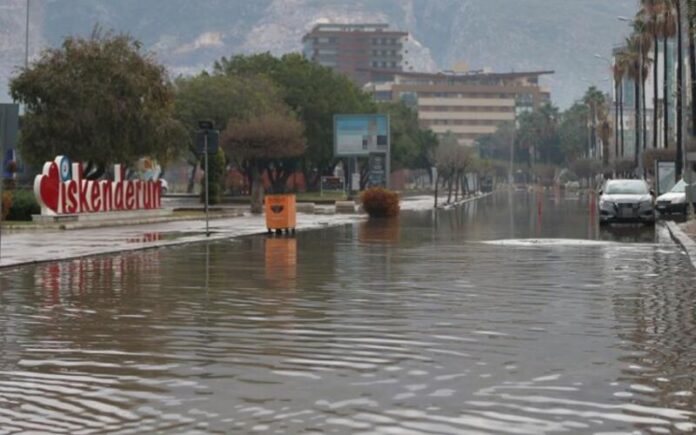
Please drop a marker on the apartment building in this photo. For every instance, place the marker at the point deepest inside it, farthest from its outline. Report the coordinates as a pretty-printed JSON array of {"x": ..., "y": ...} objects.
[
  {"x": 467, "y": 104},
  {"x": 354, "y": 48}
]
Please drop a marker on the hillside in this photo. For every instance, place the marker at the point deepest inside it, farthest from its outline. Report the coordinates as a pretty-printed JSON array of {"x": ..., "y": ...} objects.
[{"x": 187, "y": 36}]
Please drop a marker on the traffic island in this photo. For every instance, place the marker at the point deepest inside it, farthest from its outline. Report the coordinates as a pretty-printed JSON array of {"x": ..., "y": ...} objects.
[{"x": 345, "y": 207}]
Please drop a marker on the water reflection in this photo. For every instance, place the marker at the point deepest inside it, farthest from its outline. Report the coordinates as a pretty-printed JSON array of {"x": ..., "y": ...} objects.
[
  {"x": 419, "y": 325},
  {"x": 379, "y": 231}
]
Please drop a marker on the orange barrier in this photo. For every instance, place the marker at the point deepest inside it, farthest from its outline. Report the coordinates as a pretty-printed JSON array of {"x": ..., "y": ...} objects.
[{"x": 281, "y": 212}]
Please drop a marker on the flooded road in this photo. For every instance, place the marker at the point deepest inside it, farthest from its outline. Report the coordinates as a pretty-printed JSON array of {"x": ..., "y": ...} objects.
[{"x": 514, "y": 314}]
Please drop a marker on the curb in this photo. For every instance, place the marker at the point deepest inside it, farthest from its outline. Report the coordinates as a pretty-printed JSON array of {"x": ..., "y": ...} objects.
[
  {"x": 463, "y": 201},
  {"x": 686, "y": 242}
]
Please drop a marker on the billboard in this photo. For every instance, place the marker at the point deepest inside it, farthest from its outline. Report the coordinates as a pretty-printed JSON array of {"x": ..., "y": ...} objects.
[{"x": 360, "y": 135}]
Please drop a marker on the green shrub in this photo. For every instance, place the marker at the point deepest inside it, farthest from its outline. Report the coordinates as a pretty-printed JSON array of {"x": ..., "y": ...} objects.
[
  {"x": 380, "y": 203},
  {"x": 24, "y": 205}
]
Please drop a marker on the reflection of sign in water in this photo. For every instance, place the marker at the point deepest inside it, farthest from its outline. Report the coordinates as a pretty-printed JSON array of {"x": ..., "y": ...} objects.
[
  {"x": 116, "y": 274},
  {"x": 360, "y": 135},
  {"x": 378, "y": 170},
  {"x": 664, "y": 176}
]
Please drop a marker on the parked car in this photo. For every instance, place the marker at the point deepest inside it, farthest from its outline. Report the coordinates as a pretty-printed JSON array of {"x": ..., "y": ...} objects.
[
  {"x": 673, "y": 201},
  {"x": 626, "y": 201}
]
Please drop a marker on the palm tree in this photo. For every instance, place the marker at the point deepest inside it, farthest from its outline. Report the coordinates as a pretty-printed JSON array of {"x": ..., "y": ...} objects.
[
  {"x": 678, "y": 164},
  {"x": 594, "y": 99},
  {"x": 619, "y": 73},
  {"x": 668, "y": 28},
  {"x": 635, "y": 69},
  {"x": 652, "y": 13},
  {"x": 643, "y": 33},
  {"x": 604, "y": 131},
  {"x": 692, "y": 62}
]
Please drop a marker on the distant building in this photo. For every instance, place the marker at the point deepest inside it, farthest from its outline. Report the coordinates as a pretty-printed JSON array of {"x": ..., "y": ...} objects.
[
  {"x": 468, "y": 105},
  {"x": 354, "y": 48}
]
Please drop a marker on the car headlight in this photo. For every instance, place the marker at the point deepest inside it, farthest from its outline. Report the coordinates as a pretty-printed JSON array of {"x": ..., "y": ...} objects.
[
  {"x": 645, "y": 204},
  {"x": 606, "y": 203}
]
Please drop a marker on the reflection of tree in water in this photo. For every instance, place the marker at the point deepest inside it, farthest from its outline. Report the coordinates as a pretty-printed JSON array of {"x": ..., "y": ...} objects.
[
  {"x": 379, "y": 231},
  {"x": 658, "y": 324}
]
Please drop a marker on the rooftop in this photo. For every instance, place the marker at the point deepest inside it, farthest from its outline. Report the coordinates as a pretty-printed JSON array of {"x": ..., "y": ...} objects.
[
  {"x": 472, "y": 75},
  {"x": 356, "y": 27}
]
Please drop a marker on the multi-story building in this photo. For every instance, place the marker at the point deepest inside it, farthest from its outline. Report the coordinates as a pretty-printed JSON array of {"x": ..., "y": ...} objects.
[
  {"x": 354, "y": 48},
  {"x": 468, "y": 105}
]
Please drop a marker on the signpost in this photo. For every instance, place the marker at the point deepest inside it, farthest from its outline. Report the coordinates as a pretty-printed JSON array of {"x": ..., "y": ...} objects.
[
  {"x": 364, "y": 136},
  {"x": 332, "y": 184},
  {"x": 207, "y": 140}
]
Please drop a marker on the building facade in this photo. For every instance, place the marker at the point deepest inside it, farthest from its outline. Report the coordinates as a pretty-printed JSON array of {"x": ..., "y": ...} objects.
[
  {"x": 354, "y": 48},
  {"x": 468, "y": 105}
]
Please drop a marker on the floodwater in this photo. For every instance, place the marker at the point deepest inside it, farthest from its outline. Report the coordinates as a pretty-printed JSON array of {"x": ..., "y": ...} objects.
[{"x": 514, "y": 314}]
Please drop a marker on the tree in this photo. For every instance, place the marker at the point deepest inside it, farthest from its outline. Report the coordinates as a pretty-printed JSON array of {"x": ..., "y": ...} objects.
[
  {"x": 538, "y": 133},
  {"x": 220, "y": 98},
  {"x": 99, "y": 99},
  {"x": 632, "y": 58},
  {"x": 652, "y": 14},
  {"x": 619, "y": 71},
  {"x": 573, "y": 134},
  {"x": 497, "y": 145},
  {"x": 668, "y": 29},
  {"x": 411, "y": 146},
  {"x": 452, "y": 160},
  {"x": 595, "y": 101},
  {"x": 265, "y": 143},
  {"x": 314, "y": 92}
]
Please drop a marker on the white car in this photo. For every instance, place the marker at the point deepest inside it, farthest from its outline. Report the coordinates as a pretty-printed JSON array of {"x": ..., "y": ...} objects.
[
  {"x": 626, "y": 201},
  {"x": 673, "y": 201}
]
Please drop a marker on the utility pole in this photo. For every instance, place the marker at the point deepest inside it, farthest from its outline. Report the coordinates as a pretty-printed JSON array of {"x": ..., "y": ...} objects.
[{"x": 511, "y": 174}]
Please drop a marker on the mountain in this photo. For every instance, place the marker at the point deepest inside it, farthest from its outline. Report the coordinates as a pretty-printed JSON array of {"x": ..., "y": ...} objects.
[{"x": 187, "y": 36}]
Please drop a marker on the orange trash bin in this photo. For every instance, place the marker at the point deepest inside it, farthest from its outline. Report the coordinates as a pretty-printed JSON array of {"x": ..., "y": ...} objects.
[{"x": 281, "y": 213}]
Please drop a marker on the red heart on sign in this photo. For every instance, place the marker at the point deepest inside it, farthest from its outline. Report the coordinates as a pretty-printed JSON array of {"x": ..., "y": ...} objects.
[{"x": 49, "y": 186}]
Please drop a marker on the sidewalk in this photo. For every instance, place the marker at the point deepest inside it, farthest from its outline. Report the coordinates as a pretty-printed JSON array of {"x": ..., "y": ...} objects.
[
  {"x": 26, "y": 247},
  {"x": 39, "y": 246},
  {"x": 685, "y": 235}
]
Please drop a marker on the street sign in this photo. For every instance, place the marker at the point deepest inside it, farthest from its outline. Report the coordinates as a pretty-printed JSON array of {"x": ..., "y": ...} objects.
[
  {"x": 332, "y": 184},
  {"x": 377, "y": 176},
  {"x": 206, "y": 125},
  {"x": 213, "y": 141}
]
